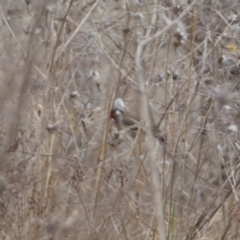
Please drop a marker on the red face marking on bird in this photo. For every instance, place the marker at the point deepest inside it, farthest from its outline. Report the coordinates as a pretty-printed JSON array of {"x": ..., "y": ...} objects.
[
  {"x": 116, "y": 115},
  {"x": 113, "y": 115}
]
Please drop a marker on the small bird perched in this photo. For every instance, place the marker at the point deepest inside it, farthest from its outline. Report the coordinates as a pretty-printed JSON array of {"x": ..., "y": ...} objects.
[
  {"x": 124, "y": 122},
  {"x": 123, "y": 118}
]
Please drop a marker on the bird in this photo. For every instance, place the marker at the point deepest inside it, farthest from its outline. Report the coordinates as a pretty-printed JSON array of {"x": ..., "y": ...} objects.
[{"x": 123, "y": 120}]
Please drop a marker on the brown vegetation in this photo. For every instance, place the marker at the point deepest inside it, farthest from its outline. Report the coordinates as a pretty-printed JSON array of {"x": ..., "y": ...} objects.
[{"x": 67, "y": 172}]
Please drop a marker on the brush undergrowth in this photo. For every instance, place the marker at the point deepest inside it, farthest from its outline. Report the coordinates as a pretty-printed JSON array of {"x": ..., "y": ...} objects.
[{"x": 67, "y": 172}]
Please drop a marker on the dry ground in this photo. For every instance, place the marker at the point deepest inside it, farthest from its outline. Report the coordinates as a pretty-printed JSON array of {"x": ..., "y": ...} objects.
[{"x": 67, "y": 172}]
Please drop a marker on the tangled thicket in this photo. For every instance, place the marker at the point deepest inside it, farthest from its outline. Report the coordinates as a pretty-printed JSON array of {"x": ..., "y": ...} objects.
[{"x": 67, "y": 172}]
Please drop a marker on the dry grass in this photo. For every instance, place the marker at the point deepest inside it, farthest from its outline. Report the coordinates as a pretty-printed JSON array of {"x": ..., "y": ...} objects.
[{"x": 67, "y": 172}]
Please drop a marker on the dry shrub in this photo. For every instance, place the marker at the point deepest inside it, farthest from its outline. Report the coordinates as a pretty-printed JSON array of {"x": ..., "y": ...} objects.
[{"x": 67, "y": 172}]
